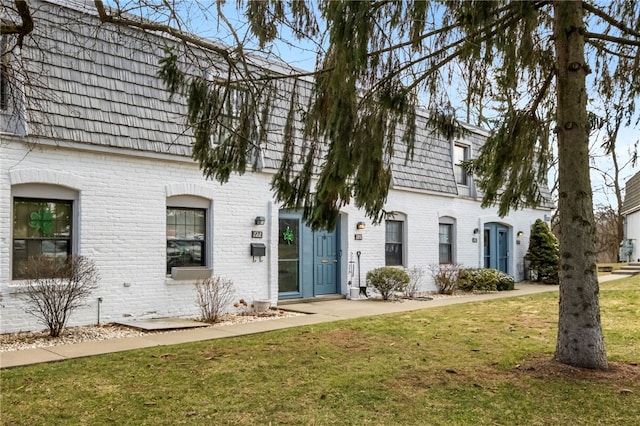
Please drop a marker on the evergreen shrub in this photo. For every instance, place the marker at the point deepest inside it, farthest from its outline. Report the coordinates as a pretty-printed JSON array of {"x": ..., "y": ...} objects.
[
  {"x": 388, "y": 280},
  {"x": 483, "y": 280},
  {"x": 543, "y": 253}
]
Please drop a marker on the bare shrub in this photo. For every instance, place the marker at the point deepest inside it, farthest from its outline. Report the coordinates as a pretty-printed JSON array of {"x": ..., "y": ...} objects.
[
  {"x": 57, "y": 288},
  {"x": 416, "y": 273},
  {"x": 214, "y": 296},
  {"x": 445, "y": 276}
]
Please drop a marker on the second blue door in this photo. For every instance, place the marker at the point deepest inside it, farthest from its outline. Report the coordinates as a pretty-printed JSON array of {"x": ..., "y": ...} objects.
[{"x": 496, "y": 247}]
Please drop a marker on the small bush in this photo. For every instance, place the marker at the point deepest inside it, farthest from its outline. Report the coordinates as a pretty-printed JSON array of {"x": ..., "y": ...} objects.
[
  {"x": 214, "y": 295},
  {"x": 478, "y": 280},
  {"x": 483, "y": 280},
  {"x": 415, "y": 278},
  {"x": 387, "y": 280},
  {"x": 506, "y": 282},
  {"x": 446, "y": 277},
  {"x": 57, "y": 288}
]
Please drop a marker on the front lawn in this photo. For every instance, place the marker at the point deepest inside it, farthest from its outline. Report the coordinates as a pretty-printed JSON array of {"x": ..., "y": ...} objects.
[{"x": 484, "y": 363}]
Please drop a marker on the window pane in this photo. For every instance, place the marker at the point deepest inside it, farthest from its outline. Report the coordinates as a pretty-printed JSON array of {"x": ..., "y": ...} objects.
[
  {"x": 4, "y": 73},
  {"x": 40, "y": 227},
  {"x": 394, "y": 231},
  {"x": 186, "y": 237},
  {"x": 393, "y": 254},
  {"x": 184, "y": 253},
  {"x": 288, "y": 255},
  {"x": 445, "y": 253},
  {"x": 487, "y": 248},
  {"x": 460, "y": 154},
  {"x": 445, "y": 248},
  {"x": 393, "y": 247},
  {"x": 445, "y": 234}
]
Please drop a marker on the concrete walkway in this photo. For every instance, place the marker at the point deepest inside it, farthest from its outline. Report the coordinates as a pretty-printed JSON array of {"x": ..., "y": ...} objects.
[{"x": 320, "y": 312}]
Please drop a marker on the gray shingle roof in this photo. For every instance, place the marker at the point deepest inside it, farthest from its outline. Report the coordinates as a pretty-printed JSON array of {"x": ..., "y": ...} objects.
[
  {"x": 631, "y": 201},
  {"x": 97, "y": 84}
]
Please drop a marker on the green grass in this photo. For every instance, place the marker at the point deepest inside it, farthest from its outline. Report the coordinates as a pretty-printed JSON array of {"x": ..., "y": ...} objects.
[{"x": 475, "y": 364}]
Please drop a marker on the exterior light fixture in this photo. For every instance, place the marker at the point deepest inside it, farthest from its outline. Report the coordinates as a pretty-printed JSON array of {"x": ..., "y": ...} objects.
[
  {"x": 476, "y": 231},
  {"x": 360, "y": 225},
  {"x": 520, "y": 234},
  {"x": 259, "y": 220}
]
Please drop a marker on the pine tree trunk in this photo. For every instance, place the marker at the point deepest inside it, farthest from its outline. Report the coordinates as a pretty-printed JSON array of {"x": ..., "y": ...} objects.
[{"x": 580, "y": 342}]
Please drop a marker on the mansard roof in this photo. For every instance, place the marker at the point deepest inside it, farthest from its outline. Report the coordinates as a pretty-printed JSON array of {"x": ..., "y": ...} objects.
[
  {"x": 97, "y": 84},
  {"x": 631, "y": 201}
]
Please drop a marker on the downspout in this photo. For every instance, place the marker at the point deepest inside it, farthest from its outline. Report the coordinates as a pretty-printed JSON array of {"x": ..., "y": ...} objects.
[{"x": 270, "y": 250}]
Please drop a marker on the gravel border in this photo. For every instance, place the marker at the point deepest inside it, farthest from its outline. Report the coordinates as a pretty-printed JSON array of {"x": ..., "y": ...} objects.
[{"x": 40, "y": 339}]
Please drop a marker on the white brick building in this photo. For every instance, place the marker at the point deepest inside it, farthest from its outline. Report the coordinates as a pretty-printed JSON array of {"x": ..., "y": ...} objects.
[
  {"x": 629, "y": 251},
  {"x": 95, "y": 149}
]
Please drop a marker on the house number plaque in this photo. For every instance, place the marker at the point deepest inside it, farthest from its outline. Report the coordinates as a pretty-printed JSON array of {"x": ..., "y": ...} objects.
[{"x": 256, "y": 234}]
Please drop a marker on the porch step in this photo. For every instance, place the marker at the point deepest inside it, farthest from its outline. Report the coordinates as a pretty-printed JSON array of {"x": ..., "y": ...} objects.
[
  {"x": 630, "y": 269},
  {"x": 323, "y": 298}
]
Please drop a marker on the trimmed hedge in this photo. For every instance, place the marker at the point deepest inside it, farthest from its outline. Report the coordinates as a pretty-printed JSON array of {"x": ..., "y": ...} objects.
[
  {"x": 484, "y": 280},
  {"x": 387, "y": 280}
]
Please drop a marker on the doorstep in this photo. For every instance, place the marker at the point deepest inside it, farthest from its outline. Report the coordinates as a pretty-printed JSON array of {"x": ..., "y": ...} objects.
[{"x": 323, "y": 298}]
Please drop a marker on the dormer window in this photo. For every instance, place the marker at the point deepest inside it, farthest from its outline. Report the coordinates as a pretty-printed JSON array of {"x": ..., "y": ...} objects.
[
  {"x": 460, "y": 154},
  {"x": 233, "y": 100},
  {"x": 12, "y": 110}
]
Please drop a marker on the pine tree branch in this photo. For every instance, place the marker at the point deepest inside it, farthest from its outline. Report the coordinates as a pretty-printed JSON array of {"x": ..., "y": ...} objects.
[
  {"x": 543, "y": 90},
  {"x": 618, "y": 40},
  {"x": 408, "y": 43},
  {"x": 484, "y": 35},
  {"x": 609, "y": 19},
  {"x": 600, "y": 46}
]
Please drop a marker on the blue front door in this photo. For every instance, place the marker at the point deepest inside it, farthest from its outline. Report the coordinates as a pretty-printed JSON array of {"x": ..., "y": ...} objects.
[
  {"x": 326, "y": 263},
  {"x": 308, "y": 262},
  {"x": 496, "y": 247}
]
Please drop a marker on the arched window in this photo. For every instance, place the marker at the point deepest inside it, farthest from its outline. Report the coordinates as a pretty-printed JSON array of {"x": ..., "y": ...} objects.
[
  {"x": 446, "y": 239},
  {"x": 43, "y": 224},
  {"x": 395, "y": 240},
  {"x": 187, "y": 231}
]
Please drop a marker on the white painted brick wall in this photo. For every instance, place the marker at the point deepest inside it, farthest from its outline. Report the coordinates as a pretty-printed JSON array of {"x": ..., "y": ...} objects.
[
  {"x": 633, "y": 232},
  {"x": 121, "y": 226}
]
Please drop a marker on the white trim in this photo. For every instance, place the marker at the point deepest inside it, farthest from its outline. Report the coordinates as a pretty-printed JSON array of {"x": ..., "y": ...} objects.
[{"x": 47, "y": 177}]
